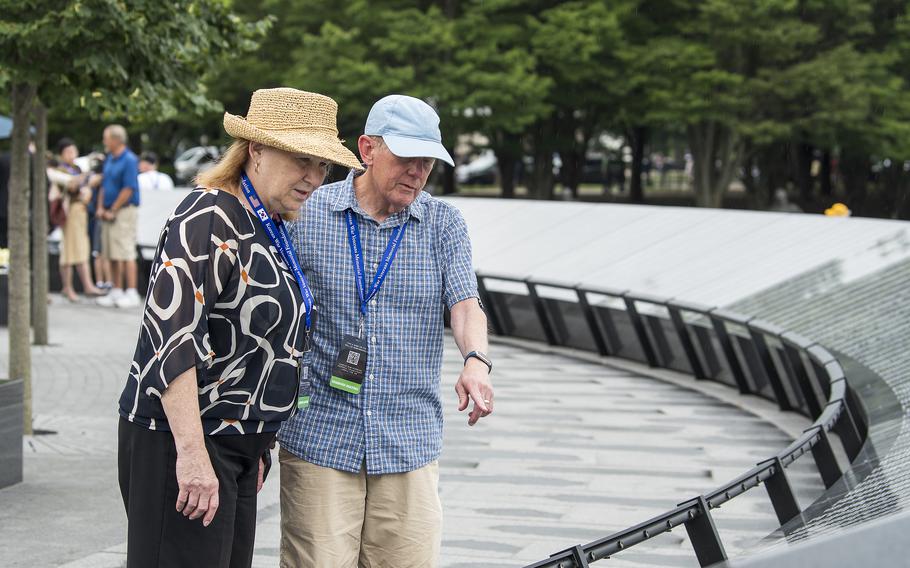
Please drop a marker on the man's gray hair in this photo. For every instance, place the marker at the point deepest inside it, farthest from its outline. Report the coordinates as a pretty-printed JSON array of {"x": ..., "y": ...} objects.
[{"x": 117, "y": 131}]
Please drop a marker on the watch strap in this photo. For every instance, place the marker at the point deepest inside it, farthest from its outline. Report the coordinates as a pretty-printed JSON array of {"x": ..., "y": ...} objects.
[{"x": 482, "y": 357}]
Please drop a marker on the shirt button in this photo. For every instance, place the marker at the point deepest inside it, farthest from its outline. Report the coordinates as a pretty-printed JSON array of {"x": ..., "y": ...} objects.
[
  {"x": 371, "y": 376},
  {"x": 373, "y": 339},
  {"x": 369, "y": 413},
  {"x": 372, "y": 302},
  {"x": 375, "y": 265}
]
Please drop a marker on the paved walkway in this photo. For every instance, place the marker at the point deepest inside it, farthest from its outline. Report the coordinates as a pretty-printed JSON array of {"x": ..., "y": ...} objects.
[{"x": 575, "y": 451}]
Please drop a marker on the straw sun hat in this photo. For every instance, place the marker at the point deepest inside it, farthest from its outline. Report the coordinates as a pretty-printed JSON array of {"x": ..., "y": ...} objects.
[{"x": 295, "y": 121}]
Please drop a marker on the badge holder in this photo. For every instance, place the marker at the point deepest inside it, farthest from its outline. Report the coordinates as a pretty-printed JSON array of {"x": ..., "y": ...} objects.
[
  {"x": 303, "y": 371},
  {"x": 351, "y": 365}
]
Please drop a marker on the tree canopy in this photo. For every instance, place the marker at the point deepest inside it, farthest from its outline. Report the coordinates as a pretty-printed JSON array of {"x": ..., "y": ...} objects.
[{"x": 756, "y": 90}]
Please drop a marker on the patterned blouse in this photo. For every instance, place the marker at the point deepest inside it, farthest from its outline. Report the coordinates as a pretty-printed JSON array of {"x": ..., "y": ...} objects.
[{"x": 222, "y": 300}]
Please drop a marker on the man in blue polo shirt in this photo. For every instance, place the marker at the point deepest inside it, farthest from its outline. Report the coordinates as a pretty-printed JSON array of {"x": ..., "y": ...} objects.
[{"x": 118, "y": 202}]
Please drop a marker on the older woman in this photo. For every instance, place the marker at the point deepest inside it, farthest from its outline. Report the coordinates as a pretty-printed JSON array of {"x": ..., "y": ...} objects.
[{"x": 226, "y": 321}]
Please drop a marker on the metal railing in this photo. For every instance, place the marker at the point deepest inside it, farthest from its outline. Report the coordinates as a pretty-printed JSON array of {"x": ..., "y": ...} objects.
[{"x": 709, "y": 343}]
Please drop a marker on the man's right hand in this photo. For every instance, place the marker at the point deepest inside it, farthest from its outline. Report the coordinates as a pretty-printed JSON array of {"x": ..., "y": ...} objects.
[{"x": 197, "y": 485}]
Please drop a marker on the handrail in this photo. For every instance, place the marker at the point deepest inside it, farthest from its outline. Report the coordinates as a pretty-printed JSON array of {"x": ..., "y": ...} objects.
[
  {"x": 833, "y": 414},
  {"x": 826, "y": 376}
]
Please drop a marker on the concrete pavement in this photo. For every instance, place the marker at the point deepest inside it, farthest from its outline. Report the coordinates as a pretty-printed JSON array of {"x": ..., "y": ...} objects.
[{"x": 576, "y": 450}]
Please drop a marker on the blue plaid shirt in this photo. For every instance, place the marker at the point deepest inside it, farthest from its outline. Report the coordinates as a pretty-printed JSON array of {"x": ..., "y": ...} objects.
[{"x": 395, "y": 424}]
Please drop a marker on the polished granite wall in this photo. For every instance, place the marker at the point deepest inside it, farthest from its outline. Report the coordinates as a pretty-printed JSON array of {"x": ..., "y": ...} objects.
[{"x": 867, "y": 319}]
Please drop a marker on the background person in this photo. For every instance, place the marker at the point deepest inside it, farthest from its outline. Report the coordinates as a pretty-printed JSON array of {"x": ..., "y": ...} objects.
[
  {"x": 216, "y": 368},
  {"x": 76, "y": 249},
  {"x": 150, "y": 179},
  {"x": 118, "y": 205}
]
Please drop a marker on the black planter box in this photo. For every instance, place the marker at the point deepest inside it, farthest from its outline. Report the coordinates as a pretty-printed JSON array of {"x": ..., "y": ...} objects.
[{"x": 10, "y": 432}]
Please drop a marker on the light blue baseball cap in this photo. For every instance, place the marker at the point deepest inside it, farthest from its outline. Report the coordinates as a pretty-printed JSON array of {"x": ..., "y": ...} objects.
[{"x": 409, "y": 127}]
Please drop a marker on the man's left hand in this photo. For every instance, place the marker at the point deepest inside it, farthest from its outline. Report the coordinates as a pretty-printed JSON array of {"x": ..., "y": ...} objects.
[{"x": 474, "y": 385}]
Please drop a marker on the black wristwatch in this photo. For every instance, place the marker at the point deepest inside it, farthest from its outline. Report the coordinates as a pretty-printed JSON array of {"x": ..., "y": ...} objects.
[{"x": 482, "y": 357}]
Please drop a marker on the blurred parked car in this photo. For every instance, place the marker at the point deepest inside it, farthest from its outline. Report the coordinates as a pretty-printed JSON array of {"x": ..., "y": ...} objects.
[
  {"x": 194, "y": 160},
  {"x": 479, "y": 171}
]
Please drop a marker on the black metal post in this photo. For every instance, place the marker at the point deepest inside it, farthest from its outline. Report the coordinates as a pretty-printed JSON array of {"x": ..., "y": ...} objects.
[
  {"x": 825, "y": 460},
  {"x": 704, "y": 536},
  {"x": 845, "y": 428},
  {"x": 781, "y": 493},
  {"x": 640, "y": 331},
  {"x": 539, "y": 307},
  {"x": 579, "y": 556},
  {"x": 720, "y": 328},
  {"x": 802, "y": 380},
  {"x": 764, "y": 354},
  {"x": 591, "y": 318},
  {"x": 611, "y": 335},
  {"x": 490, "y": 309},
  {"x": 683, "y": 332}
]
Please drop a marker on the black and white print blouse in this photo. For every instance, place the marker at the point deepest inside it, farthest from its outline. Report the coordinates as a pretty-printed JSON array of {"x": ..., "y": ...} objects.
[{"x": 221, "y": 299}]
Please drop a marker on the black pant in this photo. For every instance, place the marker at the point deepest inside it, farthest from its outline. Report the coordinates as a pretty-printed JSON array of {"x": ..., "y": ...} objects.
[{"x": 160, "y": 536}]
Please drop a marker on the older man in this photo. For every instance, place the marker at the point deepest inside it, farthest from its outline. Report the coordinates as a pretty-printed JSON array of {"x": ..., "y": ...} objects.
[
  {"x": 359, "y": 470},
  {"x": 118, "y": 203}
]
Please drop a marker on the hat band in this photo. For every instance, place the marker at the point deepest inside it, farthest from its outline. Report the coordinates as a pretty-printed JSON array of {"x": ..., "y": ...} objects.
[{"x": 306, "y": 127}]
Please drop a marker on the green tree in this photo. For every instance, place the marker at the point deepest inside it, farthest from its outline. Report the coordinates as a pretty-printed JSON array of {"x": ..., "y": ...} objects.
[
  {"x": 579, "y": 46},
  {"x": 124, "y": 60},
  {"x": 505, "y": 94}
]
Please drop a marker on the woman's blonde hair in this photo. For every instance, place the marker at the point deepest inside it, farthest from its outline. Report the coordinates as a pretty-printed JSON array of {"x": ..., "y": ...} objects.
[{"x": 225, "y": 175}]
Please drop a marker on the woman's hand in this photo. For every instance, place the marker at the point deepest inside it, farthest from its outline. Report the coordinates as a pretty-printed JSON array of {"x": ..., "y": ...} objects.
[
  {"x": 197, "y": 485},
  {"x": 260, "y": 478}
]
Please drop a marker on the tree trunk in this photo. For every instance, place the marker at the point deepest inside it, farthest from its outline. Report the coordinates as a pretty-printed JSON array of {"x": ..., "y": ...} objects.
[
  {"x": 855, "y": 170},
  {"x": 39, "y": 226},
  {"x": 749, "y": 181},
  {"x": 802, "y": 169},
  {"x": 902, "y": 200},
  {"x": 637, "y": 139},
  {"x": 20, "y": 359},
  {"x": 716, "y": 152},
  {"x": 827, "y": 187},
  {"x": 505, "y": 164},
  {"x": 772, "y": 165},
  {"x": 540, "y": 182},
  {"x": 448, "y": 180},
  {"x": 570, "y": 172}
]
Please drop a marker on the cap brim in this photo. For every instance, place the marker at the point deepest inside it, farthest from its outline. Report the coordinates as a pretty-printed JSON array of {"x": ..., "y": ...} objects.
[{"x": 413, "y": 148}]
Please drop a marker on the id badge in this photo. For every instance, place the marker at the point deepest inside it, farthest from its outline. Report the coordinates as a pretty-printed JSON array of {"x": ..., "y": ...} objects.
[
  {"x": 306, "y": 385},
  {"x": 351, "y": 365}
]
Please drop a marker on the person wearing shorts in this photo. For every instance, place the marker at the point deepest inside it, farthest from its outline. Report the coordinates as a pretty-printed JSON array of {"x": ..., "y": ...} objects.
[{"x": 118, "y": 203}]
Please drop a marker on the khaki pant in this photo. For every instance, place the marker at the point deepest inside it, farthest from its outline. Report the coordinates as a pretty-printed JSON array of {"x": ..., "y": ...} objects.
[
  {"x": 118, "y": 237},
  {"x": 336, "y": 519}
]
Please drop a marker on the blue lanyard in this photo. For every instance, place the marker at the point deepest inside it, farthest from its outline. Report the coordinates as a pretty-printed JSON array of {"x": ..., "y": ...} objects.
[
  {"x": 357, "y": 259},
  {"x": 279, "y": 236}
]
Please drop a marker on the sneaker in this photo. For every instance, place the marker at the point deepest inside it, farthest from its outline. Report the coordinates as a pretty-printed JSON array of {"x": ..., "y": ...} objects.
[
  {"x": 110, "y": 300},
  {"x": 103, "y": 285},
  {"x": 129, "y": 299}
]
